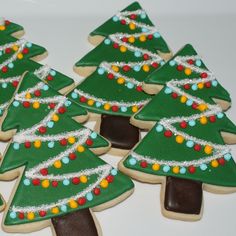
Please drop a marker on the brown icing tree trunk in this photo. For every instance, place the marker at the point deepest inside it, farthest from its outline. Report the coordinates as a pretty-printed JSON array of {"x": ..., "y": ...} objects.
[
  {"x": 183, "y": 196},
  {"x": 78, "y": 223},
  {"x": 119, "y": 131}
]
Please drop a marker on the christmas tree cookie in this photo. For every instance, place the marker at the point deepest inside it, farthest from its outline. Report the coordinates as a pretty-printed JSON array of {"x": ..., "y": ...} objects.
[
  {"x": 9, "y": 30},
  {"x": 2, "y": 203},
  {"x": 129, "y": 51},
  {"x": 62, "y": 180},
  {"x": 185, "y": 151}
]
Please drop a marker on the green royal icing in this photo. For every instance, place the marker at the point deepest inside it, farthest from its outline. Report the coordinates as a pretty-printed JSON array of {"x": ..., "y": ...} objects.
[
  {"x": 103, "y": 90},
  {"x": 164, "y": 151},
  {"x": 21, "y": 118}
]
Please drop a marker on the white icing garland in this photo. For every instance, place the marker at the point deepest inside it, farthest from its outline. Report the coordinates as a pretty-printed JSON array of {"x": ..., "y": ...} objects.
[
  {"x": 20, "y": 43},
  {"x": 219, "y": 150},
  {"x": 113, "y": 103}
]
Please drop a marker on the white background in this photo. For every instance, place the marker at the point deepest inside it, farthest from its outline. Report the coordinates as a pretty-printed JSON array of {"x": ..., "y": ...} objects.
[{"x": 63, "y": 26}]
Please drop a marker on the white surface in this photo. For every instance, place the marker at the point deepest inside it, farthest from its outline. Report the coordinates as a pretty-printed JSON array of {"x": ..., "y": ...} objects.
[{"x": 63, "y": 26}]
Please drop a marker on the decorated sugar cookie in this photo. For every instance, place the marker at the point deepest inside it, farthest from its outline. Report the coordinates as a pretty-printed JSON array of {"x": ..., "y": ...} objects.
[
  {"x": 9, "y": 30},
  {"x": 185, "y": 150},
  {"x": 130, "y": 49},
  {"x": 62, "y": 180}
]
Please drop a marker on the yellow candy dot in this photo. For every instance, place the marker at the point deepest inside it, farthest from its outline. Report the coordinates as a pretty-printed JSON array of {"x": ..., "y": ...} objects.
[
  {"x": 45, "y": 183},
  {"x": 115, "y": 68},
  {"x": 134, "y": 109},
  {"x": 120, "y": 80},
  {"x": 36, "y": 105},
  {"x": 55, "y": 117},
  {"x": 83, "y": 179},
  {"x": 131, "y": 39},
  {"x": 203, "y": 120},
  {"x": 55, "y": 210},
  {"x": 57, "y": 164},
  {"x": 71, "y": 140},
  {"x": 73, "y": 204},
  {"x": 175, "y": 169},
  {"x": 37, "y": 143},
  {"x": 107, "y": 106},
  {"x": 27, "y": 95},
  {"x": 132, "y": 26},
  {"x": 104, "y": 183},
  {"x": 90, "y": 102},
  {"x": 142, "y": 38},
  {"x": 155, "y": 166},
  {"x": 20, "y": 56},
  {"x": 123, "y": 48},
  {"x": 208, "y": 149},
  {"x": 200, "y": 85},
  {"x": 179, "y": 139},
  {"x": 188, "y": 71},
  {"x": 146, "y": 68},
  {"x": 214, "y": 163},
  {"x": 30, "y": 215},
  {"x": 80, "y": 148},
  {"x": 183, "y": 99},
  {"x": 202, "y": 107},
  {"x": 15, "y": 48},
  {"x": 2, "y": 27}
]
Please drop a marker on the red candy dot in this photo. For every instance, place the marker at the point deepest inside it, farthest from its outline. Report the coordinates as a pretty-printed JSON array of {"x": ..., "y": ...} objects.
[
  {"x": 72, "y": 156},
  {"x": 63, "y": 142},
  {"x": 49, "y": 78},
  {"x": 204, "y": 75},
  {"x": 191, "y": 169},
  {"x": 75, "y": 180},
  {"x": 61, "y": 110},
  {"x": 26, "y": 104},
  {"x": 124, "y": 39},
  {"x": 25, "y": 51},
  {"x": 21, "y": 215},
  {"x": 89, "y": 142},
  {"x": 27, "y": 144},
  {"x": 44, "y": 171},
  {"x": 139, "y": 88},
  {"x": 212, "y": 119},
  {"x": 183, "y": 124},
  {"x": 36, "y": 182},
  {"x": 155, "y": 64},
  {"x": 115, "y": 45},
  {"x": 42, "y": 213},
  {"x": 145, "y": 56},
  {"x": 143, "y": 164},
  {"x": 82, "y": 200},
  {"x": 221, "y": 161},
  {"x": 8, "y": 50},
  {"x": 174, "y": 95},
  {"x": 54, "y": 184},
  {"x": 194, "y": 105},
  {"x": 126, "y": 68},
  {"x": 37, "y": 93},
  {"x": 115, "y": 108},
  {"x": 4, "y": 69},
  {"x": 123, "y": 22},
  {"x": 180, "y": 67},
  {"x": 168, "y": 133},
  {"x": 110, "y": 178},
  {"x": 15, "y": 83},
  {"x": 83, "y": 99},
  {"x": 42, "y": 130},
  {"x": 110, "y": 76},
  {"x": 197, "y": 147},
  {"x": 52, "y": 105},
  {"x": 133, "y": 16},
  {"x": 96, "y": 191},
  {"x": 7, "y": 22},
  {"x": 190, "y": 61},
  {"x": 150, "y": 36},
  {"x": 208, "y": 84},
  {"x": 186, "y": 86}
]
